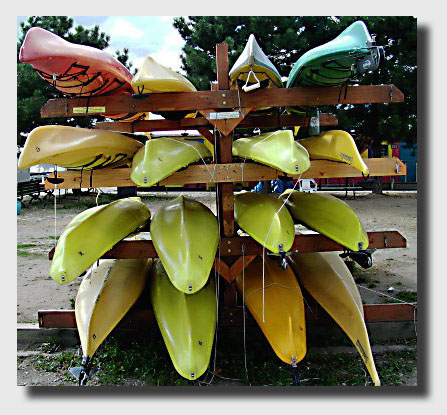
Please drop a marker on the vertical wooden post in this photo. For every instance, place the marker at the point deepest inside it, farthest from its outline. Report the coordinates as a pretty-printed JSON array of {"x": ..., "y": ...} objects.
[{"x": 224, "y": 191}]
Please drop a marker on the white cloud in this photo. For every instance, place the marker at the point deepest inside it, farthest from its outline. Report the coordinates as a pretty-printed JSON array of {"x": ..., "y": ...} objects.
[
  {"x": 124, "y": 29},
  {"x": 168, "y": 58}
]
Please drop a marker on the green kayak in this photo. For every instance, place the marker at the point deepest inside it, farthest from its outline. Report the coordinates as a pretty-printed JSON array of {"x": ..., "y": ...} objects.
[{"x": 353, "y": 52}]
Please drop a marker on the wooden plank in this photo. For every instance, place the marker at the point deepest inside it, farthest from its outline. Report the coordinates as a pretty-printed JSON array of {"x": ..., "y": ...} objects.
[
  {"x": 206, "y": 133},
  {"x": 226, "y": 126},
  {"x": 225, "y": 173},
  {"x": 239, "y": 265},
  {"x": 236, "y": 246},
  {"x": 225, "y": 99},
  {"x": 142, "y": 318},
  {"x": 222, "y": 66},
  {"x": 250, "y": 121}
]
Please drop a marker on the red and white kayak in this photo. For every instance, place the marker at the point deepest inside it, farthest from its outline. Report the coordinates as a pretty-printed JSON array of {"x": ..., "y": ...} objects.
[{"x": 76, "y": 70}]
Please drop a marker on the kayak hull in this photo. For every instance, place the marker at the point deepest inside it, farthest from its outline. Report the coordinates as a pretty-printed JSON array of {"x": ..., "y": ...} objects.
[
  {"x": 185, "y": 234},
  {"x": 263, "y": 218},
  {"x": 284, "y": 321},
  {"x": 161, "y": 157},
  {"x": 77, "y": 148},
  {"x": 105, "y": 295},
  {"x": 329, "y": 216},
  {"x": 335, "y": 145},
  {"x": 278, "y": 150},
  {"x": 326, "y": 277},
  {"x": 92, "y": 233},
  {"x": 187, "y": 322}
]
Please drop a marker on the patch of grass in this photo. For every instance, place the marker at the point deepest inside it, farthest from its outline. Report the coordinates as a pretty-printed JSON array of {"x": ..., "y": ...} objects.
[
  {"x": 408, "y": 296},
  {"x": 397, "y": 283},
  {"x": 28, "y": 254},
  {"x": 72, "y": 303},
  {"x": 20, "y": 246}
]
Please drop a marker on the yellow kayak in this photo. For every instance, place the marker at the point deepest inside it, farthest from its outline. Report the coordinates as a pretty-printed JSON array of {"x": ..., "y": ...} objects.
[
  {"x": 326, "y": 277},
  {"x": 335, "y": 145},
  {"x": 152, "y": 77},
  {"x": 278, "y": 150},
  {"x": 77, "y": 148},
  {"x": 105, "y": 295},
  {"x": 284, "y": 325},
  {"x": 253, "y": 69},
  {"x": 329, "y": 216},
  {"x": 92, "y": 233},
  {"x": 262, "y": 217},
  {"x": 185, "y": 234},
  {"x": 187, "y": 322},
  {"x": 161, "y": 157}
]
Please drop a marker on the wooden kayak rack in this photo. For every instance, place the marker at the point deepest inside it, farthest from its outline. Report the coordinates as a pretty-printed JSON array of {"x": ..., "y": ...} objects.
[{"x": 223, "y": 110}]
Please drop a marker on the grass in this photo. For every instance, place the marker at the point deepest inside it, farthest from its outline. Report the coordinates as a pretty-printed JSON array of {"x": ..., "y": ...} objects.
[
  {"x": 29, "y": 254},
  {"x": 21, "y": 246},
  {"x": 407, "y": 296},
  {"x": 146, "y": 361}
]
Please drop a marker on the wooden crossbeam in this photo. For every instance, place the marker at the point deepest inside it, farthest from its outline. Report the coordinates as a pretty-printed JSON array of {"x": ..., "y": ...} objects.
[
  {"x": 140, "y": 319},
  {"x": 221, "y": 99},
  {"x": 250, "y": 121},
  {"x": 237, "y": 246},
  {"x": 226, "y": 173}
]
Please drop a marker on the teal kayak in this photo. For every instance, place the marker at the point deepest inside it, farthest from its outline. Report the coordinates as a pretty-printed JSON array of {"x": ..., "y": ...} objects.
[{"x": 353, "y": 52}]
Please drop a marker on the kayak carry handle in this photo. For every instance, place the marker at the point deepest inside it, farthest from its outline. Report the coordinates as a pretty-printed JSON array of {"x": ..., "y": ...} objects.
[{"x": 248, "y": 88}]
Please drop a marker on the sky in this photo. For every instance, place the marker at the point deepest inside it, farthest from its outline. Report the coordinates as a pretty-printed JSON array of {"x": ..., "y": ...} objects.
[{"x": 142, "y": 35}]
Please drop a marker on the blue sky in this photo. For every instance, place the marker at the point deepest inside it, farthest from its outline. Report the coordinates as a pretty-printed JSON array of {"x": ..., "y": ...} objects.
[{"x": 142, "y": 35}]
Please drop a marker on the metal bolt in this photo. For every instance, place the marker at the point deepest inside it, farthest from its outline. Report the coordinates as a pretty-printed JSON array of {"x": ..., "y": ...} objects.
[
  {"x": 223, "y": 95},
  {"x": 229, "y": 250},
  {"x": 229, "y": 242},
  {"x": 224, "y": 102}
]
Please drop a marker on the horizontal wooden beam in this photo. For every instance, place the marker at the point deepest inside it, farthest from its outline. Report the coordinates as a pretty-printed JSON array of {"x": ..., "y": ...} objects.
[
  {"x": 225, "y": 173},
  {"x": 221, "y": 99},
  {"x": 251, "y": 121},
  {"x": 245, "y": 245},
  {"x": 140, "y": 319}
]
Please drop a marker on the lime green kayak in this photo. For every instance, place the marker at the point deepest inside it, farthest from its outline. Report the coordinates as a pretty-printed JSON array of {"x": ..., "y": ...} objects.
[
  {"x": 262, "y": 217},
  {"x": 105, "y": 295},
  {"x": 352, "y": 52},
  {"x": 326, "y": 277},
  {"x": 281, "y": 315},
  {"x": 336, "y": 145},
  {"x": 329, "y": 216},
  {"x": 185, "y": 234},
  {"x": 278, "y": 150},
  {"x": 187, "y": 322},
  {"x": 92, "y": 233},
  {"x": 161, "y": 157}
]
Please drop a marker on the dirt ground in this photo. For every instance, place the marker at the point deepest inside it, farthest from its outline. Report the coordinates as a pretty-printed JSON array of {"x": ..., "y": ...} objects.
[{"x": 36, "y": 230}]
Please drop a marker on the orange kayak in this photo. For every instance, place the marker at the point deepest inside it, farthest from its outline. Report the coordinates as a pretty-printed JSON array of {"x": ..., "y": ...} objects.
[{"x": 76, "y": 70}]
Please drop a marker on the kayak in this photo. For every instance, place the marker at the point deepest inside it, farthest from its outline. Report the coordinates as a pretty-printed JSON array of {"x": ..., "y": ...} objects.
[
  {"x": 160, "y": 157},
  {"x": 92, "y": 233},
  {"x": 152, "y": 77},
  {"x": 353, "y": 52},
  {"x": 326, "y": 277},
  {"x": 263, "y": 218},
  {"x": 278, "y": 150},
  {"x": 105, "y": 295},
  {"x": 329, "y": 216},
  {"x": 77, "y": 148},
  {"x": 335, "y": 145},
  {"x": 284, "y": 321},
  {"x": 253, "y": 69},
  {"x": 187, "y": 322},
  {"x": 185, "y": 234},
  {"x": 76, "y": 70}
]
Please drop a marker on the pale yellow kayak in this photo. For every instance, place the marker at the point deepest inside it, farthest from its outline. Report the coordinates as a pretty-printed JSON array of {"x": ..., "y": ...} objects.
[
  {"x": 326, "y": 277},
  {"x": 336, "y": 145},
  {"x": 329, "y": 216},
  {"x": 187, "y": 322},
  {"x": 105, "y": 295},
  {"x": 263, "y": 218},
  {"x": 185, "y": 234},
  {"x": 77, "y": 148},
  {"x": 92, "y": 233},
  {"x": 161, "y": 157},
  {"x": 153, "y": 77},
  {"x": 282, "y": 320},
  {"x": 278, "y": 150}
]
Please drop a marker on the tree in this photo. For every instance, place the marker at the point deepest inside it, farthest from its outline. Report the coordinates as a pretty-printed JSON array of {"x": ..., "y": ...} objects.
[
  {"x": 284, "y": 39},
  {"x": 33, "y": 91}
]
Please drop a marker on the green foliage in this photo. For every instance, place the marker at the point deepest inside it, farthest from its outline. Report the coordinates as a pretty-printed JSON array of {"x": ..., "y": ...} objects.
[
  {"x": 33, "y": 91},
  {"x": 285, "y": 38}
]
